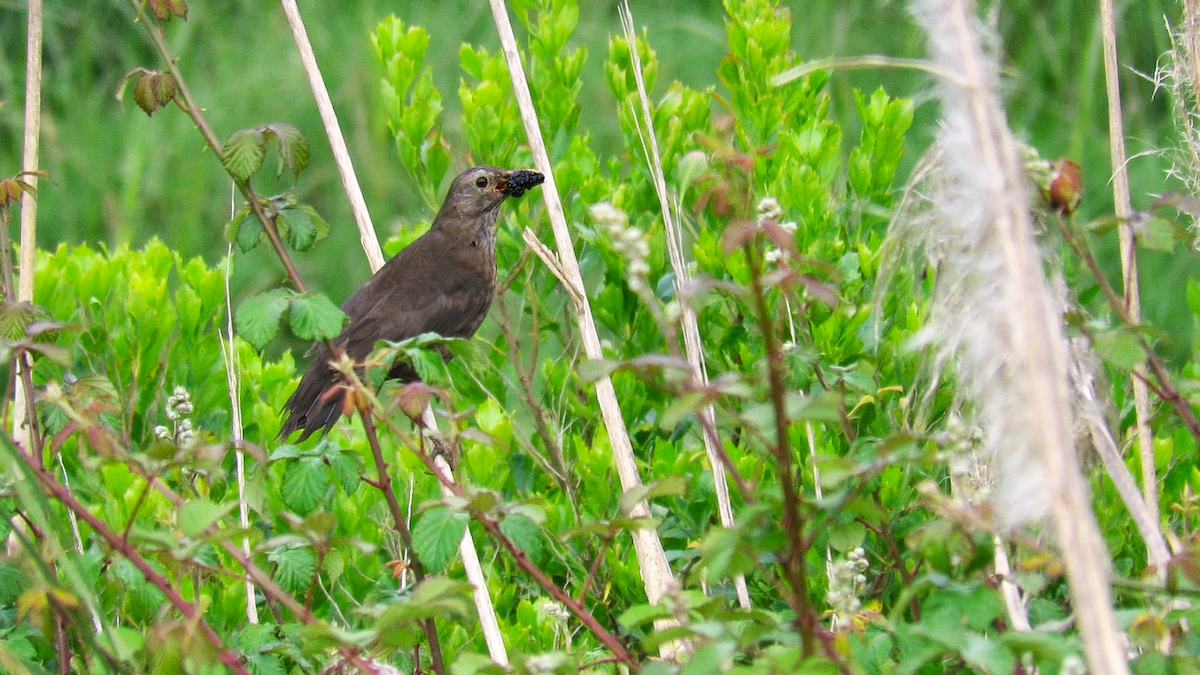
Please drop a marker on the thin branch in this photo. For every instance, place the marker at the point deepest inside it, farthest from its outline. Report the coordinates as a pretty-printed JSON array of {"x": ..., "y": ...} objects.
[
  {"x": 229, "y": 658},
  {"x": 1129, "y": 267},
  {"x": 193, "y": 109},
  {"x": 652, "y": 560},
  {"x": 400, "y": 524},
  {"x": 793, "y": 560}
]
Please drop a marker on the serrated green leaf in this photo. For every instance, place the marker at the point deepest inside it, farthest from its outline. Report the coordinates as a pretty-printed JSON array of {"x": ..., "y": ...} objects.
[
  {"x": 525, "y": 534},
  {"x": 249, "y": 232},
  {"x": 198, "y": 514},
  {"x": 436, "y": 537},
  {"x": 301, "y": 231},
  {"x": 257, "y": 319},
  {"x": 294, "y": 568},
  {"x": 305, "y": 483},
  {"x": 1119, "y": 348},
  {"x": 293, "y": 147},
  {"x": 243, "y": 153},
  {"x": 347, "y": 470},
  {"x": 313, "y": 316}
]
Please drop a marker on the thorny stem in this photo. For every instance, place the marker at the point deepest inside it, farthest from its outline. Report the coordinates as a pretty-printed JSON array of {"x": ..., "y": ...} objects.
[
  {"x": 794, "y": 558},
  {"x": 189, "y": 105},
  {"x": 384, "y": 484},
  {"x": 229, "y": 658},
  {"x": 1165, "y": 389},
  {"x": 490, "y": 525}
]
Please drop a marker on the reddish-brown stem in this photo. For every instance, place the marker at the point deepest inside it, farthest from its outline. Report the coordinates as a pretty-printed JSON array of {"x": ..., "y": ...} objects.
[
  {"x": 384, "y": 485},
  {"x": 1165, "y": 390},
  {"x": 594, "y": 568},
  {"x": 228, "y": 658},
  {"x": 793, "y": 559},
  {"x": 492, "y": 527},
  {"x": 190, "y": 106}
]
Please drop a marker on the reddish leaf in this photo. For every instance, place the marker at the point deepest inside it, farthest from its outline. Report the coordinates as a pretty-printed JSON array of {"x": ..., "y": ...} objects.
[
  {"x": 1066, "y": 187},
  {"x": 414, "y": 397},
  {"x": 737, "y": 235},
  {"x": 165, "y": 9},
  {"x": 782, "y": 239}
]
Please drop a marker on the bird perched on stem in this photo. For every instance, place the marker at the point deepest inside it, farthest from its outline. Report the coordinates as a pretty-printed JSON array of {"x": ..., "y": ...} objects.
[{"x": 441, "y": 283}]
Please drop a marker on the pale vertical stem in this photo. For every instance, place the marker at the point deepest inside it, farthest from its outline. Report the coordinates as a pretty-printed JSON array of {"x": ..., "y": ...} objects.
[
  {"x": 470, "y": 560},
  {"x": 1018, "y": 618},
  {"x": 229, "y": 355},
  {"x": 997, "y": 174},
  {"x": 29, "y": 163},
  {"x": 341, "y": 156},
  {"x": 657, "y": 578},
  {"x": 25, "y": 270},
  {"x": 1191, "y": 29},
  {"x": 1129, "y": 268},
  {"x": 691, "y": 329},
  {"x": 370, "y": 244}
]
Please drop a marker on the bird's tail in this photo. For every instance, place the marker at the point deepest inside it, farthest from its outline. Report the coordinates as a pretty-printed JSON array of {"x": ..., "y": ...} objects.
[{"x": 309, "y": 408}]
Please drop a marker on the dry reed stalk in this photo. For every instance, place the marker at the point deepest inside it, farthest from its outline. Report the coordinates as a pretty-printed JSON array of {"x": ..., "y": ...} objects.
[
  {"x": 233, "y": 384},
  {"x": 370, "y": 243},
  {"x": 341, "y": 156},
  {"x": 657, "y": 578},
  {"x": 691, "y": 328},
  {"x": 1129, "y": 267},
  {"x": 996, "y": 315},
  {"x": 29, "y": 205}
]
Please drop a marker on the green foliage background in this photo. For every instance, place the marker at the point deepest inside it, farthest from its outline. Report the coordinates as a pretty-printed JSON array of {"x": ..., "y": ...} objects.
[{"x": 132, "y": 271}]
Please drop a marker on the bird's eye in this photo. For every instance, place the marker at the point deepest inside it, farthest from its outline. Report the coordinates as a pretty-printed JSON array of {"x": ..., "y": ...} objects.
[{"x": 482, "y": 181}]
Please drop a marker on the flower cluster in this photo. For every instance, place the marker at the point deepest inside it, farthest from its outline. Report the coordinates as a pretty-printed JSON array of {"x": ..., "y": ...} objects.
[
  {"x": 628, "y": 241},
  {"x": 179, "y": 406},
  {"x": 846, "y": 580},
  {"x": 769, "y": 209}
]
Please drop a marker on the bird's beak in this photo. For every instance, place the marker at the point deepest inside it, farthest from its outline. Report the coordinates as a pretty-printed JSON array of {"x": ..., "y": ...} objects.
[{"x": 517, "y": 182}]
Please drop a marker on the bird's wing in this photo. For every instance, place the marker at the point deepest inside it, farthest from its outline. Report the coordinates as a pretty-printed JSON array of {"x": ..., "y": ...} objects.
[{"x": 413, "y": 295}]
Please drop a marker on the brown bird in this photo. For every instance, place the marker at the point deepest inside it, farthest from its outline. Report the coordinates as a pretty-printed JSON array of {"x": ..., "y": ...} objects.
[{"x": 441, "y": 283}]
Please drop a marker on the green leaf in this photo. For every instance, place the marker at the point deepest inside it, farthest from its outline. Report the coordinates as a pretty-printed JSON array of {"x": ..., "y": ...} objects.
[
  {"x": 847, "y": 536},
  {"x": 247, "y": 232},
  {"x": 257, "y": 319},
  {"x": 347, "y": 469},
  {"x": 436, "y": 537},
  {"x": 295, "y": 568},
  {"x": 305, "y": 483},
  {"x": 1119, "y": 347},
  {"x": 671, "y": 485},
  {"x": 293, "y": 147},
  {"x": 1159, "y": 234},
  {"x": 638, "y": 615},
  {"x": 725, "y": 554},
  {"x": 714, "y": 658},
  {"x": 198, "y": 514},
  {"x": 525, "y": 534},
  {"x": 305, "y": 226},
  {"x": 314, "y": 317},
  {"x": 243, "y": 153}
]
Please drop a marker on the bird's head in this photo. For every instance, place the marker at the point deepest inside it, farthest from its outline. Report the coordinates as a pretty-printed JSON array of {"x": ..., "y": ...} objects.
[{"x": 480, "y": 190}]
